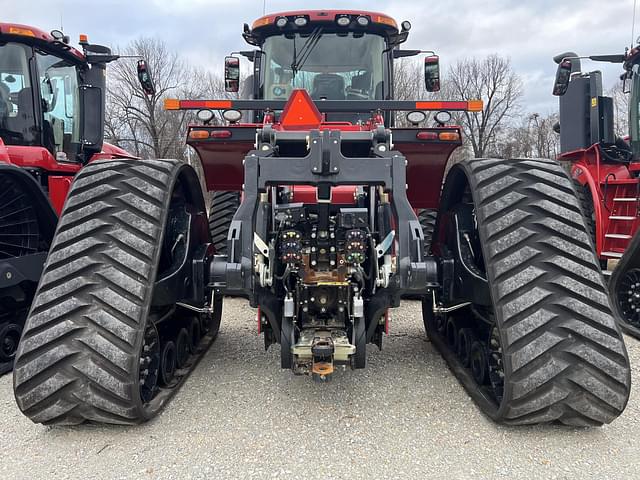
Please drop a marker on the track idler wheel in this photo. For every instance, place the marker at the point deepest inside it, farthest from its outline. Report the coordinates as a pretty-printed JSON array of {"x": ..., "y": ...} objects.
[
  {"x": 466, "y": 337},
  {"x": 182, "y": 348},
  {"x": 194, "y": 335},
  {"x": 478, "y": 362},
  {"x": 9, "y": 339},
  {"x": 451, "y": 333},
  {"x": 168, "y": 363},
  {"x": 544, "y": 346}
]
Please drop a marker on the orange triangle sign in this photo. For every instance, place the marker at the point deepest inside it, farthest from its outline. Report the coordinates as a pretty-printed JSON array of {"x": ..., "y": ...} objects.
[{"x": 300, "y": 113}]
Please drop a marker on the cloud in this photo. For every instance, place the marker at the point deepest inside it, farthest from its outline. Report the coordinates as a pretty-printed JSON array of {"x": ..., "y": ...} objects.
[{"x": 203, "y": 31}]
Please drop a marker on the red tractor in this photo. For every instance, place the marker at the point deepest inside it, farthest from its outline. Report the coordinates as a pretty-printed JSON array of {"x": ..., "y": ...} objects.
[
  {"x": 51, "y": 124},
  {"x": 605, "y": 168},
  {"x": 324, "y": 243}
]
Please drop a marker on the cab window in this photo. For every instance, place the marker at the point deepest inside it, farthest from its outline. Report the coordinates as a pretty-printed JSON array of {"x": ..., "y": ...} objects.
[{"x": 59, "y": 89}]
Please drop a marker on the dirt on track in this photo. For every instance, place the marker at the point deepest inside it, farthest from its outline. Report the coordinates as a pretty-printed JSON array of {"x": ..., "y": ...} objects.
[{"x": 240, "y": 416}]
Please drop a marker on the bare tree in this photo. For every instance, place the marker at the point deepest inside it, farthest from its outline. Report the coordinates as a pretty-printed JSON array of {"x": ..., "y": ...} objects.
[
  {"x": 493, "y": 81},
  {"x": 620, "y": 109},
  {"x": 138, "y": 121}
]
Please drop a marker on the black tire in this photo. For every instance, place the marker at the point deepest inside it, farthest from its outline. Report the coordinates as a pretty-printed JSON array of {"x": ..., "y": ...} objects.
[
  {"x": 182, "y": 348},
  {"x": 563, "y": 356},
  {"x": 466, "y": 338},
  {"x": 223, "y": 207},
  {"x": 167, "y": 363},
  {"x": 194, "y": 335},
  {"x": 427, "y": 218},
  {"x": 9, "y": 338},
  {"x": 80, "y": 355}
]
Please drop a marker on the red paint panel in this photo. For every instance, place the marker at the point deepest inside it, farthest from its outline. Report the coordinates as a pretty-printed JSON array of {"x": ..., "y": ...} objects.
[
  {"x": 341, "y": 194},
  {"x": 58, "y": 189}
]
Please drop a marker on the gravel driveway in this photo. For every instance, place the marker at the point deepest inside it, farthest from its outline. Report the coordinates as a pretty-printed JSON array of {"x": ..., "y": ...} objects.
[{"x": 240, "y": 416}]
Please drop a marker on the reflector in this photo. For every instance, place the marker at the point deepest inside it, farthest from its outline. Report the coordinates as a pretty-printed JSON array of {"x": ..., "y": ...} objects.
[{"x": 300, "y": 113}]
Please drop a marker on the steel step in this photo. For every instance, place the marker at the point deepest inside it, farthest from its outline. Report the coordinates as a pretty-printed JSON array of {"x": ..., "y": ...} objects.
[
  {"x": 620, "y": 236},
  {"x": 607, "y": 273},
  {"x": 622, "y": 217},
  {"x": 612, "y": 254}
]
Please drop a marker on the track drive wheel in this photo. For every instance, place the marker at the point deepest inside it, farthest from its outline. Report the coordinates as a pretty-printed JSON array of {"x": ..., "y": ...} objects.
[
  {"x": 546, "y": 345},
  {"x": 91, "y": 344},
  {"x": 221, "y": 211}
]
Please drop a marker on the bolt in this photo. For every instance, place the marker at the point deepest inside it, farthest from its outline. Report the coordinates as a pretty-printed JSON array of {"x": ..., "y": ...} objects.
[
  {"x": 8, "y": 275},
  {"x": 333, "y": 263},
  {"x": 265, "y": 147},
  {"x": 335, "y": 169},
  {"x": 313, "y": 263}
]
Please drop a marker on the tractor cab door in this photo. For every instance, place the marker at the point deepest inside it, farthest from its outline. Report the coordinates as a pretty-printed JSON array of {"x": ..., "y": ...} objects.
[{"x": 39, "y": 101}]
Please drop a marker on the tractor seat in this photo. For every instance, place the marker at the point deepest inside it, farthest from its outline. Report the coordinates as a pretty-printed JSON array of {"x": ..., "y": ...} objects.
[{"x": 329, "y": 86}]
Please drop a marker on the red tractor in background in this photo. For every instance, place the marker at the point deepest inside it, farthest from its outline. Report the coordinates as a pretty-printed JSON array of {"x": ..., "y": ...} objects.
[
  {"x": 324, "y": 243},
  {"x": 51, "y": 124},
  {"x": 605, "y": 168}
]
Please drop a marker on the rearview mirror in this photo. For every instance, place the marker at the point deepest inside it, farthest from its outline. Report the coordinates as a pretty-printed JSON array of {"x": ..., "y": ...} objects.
[
  {"x": 563, "y": 75},
  {"x": 231, "y": 74},
  {"x": 144, "y": 77},
  {"x": 432, "y": 73}
]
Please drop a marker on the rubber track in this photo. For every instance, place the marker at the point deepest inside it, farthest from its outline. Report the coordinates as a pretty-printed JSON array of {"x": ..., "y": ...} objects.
[
  {"x": 427, "y": 219},
  {"x": 223, "y": 207},
  {"x": 78, "y": 356},
  {"x": 564, "y": 356}
]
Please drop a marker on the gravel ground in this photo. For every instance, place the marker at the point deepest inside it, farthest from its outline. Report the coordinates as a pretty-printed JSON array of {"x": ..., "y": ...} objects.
[{"x": 240, "y": 416}]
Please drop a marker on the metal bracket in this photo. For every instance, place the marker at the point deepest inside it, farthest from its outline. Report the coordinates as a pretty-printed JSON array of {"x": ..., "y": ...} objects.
[
  {"x": 208, "y": 310},
  {"x": 452, "y": 308}
]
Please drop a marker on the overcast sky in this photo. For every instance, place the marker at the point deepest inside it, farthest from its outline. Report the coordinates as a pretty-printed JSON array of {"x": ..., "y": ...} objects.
[{"x": 529, "y": 32}]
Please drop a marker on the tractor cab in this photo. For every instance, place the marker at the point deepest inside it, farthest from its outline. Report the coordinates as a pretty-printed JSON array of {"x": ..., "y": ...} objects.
[
  {"x": 333, "y": 55},
  {"x": 52, "y": 96}
]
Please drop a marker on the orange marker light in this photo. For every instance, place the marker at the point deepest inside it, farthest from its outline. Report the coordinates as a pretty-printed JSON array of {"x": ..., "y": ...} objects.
[
  {"x": 171, "y": 104},
  {"x": 475, "y": 105},
  {"x": 450, "y": 136},
  {"x": 387, "y": 21},
  {"x": 261, "y": 22},
  {"x": 21, "y": 31},
  {"x": 199, "y": 134},
  {"x": 84, "y": 38}
]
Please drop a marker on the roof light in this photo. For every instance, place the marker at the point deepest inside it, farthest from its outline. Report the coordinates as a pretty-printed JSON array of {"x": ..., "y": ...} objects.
[
  {"x": 261, "y": 22},
  {"x": 205, "y": 115},
  {"x": 416, "y": 117},
  {"x": 362, "y": 21},
  {"x": 84, "y": 39},
  {"x": 57, "y": 35},
  {"x": 21, "y": 31},
  {"x": 387, "y": 21},
  {"x": 442, "y": 117},
  {"x": 343, "y": 21},
  {"x": 281, "y": 22},
  {"x": 232, "y": 116},
  {"x": 300, "y": 21}
]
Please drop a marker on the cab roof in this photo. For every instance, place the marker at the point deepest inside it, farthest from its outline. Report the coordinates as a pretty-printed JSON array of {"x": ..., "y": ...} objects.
[{"x": 34, "y": 36}]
